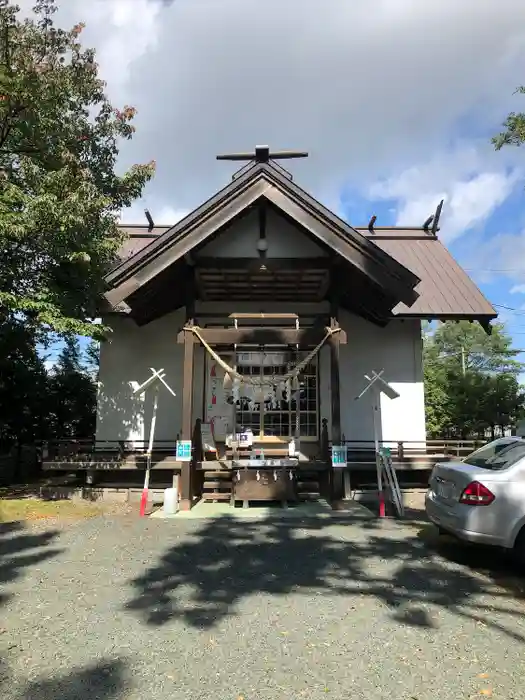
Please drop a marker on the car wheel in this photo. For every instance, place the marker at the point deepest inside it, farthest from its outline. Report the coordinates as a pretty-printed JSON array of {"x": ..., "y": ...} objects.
[{"x": 518, "y": 551}]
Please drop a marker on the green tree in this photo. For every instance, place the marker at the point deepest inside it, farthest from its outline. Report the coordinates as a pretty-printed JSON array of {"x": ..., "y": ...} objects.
[
  {"x": 437, "y": 404},
  {"x": 72, "y": 392},
  {"x": 24, "y": 387},
  {"x": 60, "y": 193},
  {"x": 513, "y": 133},
  {"x": 92, "y": 358},
  {"x": 471, "y": 381},
  {"x": 466, "y": 346}
]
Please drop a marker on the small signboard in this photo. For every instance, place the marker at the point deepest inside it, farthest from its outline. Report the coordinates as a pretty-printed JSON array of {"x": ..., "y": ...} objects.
[
  {"x": 339, "y": 456},
  {"x": 243, "y": 440},
  {"x": 183, "y": 453}
]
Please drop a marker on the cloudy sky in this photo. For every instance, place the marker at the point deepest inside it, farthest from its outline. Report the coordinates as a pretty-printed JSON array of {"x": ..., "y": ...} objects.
[{"x": 396, "y": 101}]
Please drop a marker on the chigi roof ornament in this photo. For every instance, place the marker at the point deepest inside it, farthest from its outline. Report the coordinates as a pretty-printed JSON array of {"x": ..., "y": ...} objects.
[{"x": 263, "y": 154}]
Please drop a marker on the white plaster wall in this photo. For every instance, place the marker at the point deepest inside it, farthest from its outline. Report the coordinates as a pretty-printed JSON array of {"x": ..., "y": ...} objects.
[
  {"x": 396, "y": 349},
  {"x": 127, "y": 357},
  {"x": 132, "y": 350},
  {"x": 284, "y": 239}
]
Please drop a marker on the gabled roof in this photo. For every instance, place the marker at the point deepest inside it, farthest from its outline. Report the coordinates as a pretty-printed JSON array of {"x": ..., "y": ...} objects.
[
  {"x": 445, "y": 291},
  {"x": 262, "y": 182}
]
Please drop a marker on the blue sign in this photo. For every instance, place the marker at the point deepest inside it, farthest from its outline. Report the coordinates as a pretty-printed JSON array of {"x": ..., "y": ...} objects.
[
  {"x": 183, "y": 451},
  {"x": 339, "y": 456}
]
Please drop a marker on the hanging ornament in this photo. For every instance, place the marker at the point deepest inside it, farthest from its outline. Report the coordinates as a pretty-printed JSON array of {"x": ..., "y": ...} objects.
[
  {"x": 235, "y": 390},
  {"x": 227, "y": 382},
  {"x": 295, "y": 383}
]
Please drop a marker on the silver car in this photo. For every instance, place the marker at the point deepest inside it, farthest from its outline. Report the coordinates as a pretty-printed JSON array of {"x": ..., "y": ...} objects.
[{"x": 481, "y": 498}]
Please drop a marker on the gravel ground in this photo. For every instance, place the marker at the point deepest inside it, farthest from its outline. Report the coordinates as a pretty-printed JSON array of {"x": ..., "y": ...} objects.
[{"x": 119, "y": 608}]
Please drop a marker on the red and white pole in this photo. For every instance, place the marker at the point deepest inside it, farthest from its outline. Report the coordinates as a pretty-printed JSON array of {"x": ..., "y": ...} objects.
[{"x": 145, "y": 490}]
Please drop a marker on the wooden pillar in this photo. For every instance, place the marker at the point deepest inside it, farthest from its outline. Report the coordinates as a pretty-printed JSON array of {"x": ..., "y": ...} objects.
[
  {"x": 337, "y": 479},
  {"x": 186, "y": 481}
]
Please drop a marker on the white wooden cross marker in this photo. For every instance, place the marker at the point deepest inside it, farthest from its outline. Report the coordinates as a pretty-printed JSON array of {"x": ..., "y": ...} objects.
[
  {"x": 377, "y": 385},
  {"x": 156, "y": 377}
]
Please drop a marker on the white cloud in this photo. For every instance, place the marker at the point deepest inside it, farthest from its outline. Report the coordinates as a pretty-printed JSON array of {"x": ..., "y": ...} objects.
[
  {"x": 471, "y": 194},
  {"x": 369, "y": 87},
  {"x": 503, "y": 256}
]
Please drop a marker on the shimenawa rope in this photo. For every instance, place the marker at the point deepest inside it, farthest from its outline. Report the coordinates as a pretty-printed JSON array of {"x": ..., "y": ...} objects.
[{"x": 274, "y": 380}]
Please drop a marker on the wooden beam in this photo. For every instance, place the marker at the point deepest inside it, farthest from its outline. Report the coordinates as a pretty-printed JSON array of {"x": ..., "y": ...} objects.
[
  {"x": 337, "y": 491},
  {"x": 249, "y": 264},
  {"x": 262, "y": 336},
  {"x": 186, "y": 491}
]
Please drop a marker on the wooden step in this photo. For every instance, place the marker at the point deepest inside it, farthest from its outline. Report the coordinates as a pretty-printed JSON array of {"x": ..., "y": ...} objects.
[
  {"x": 308, "y": 488},
  {"x": 226, "y": 474},
  {"x": 268, "y": 452},
  {"x": 216, "y": 496},
  {"x": 221, "y": 483},
  {"x": 310, "y": 485},
  {"x": 308, "y": 496}
]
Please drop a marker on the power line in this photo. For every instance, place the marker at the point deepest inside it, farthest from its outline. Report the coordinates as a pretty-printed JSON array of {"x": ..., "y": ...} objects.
[
  {"x": 521, "y": 312},
  {"x": 502, "y": 271}
]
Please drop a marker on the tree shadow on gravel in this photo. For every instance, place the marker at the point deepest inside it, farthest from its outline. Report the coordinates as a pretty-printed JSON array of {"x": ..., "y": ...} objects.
[
  {"x": 223, "y": 561},
  {"x": 104, "y": 680},
  {"x": 19, "y": 549}
]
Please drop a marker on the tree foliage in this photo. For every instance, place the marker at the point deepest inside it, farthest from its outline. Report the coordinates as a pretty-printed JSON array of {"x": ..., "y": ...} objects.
[
  {"x": 471, "y": 380},
  {"x": 39, "y": 405},
  {"x": 513, "y": 133},
  {"x": 60, "y": 193},
  {"x": 72, "y": 395}
]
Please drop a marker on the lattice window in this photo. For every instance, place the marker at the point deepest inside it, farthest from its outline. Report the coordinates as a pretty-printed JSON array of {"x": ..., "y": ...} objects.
[{"x": 276, "y": 415}]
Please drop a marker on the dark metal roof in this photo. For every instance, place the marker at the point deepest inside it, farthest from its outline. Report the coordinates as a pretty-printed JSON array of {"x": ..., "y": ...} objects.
[
  {"x": 445, "y": 290},
  {"x": 137, "y": 238},
  {"x": 262, "y": 182}
]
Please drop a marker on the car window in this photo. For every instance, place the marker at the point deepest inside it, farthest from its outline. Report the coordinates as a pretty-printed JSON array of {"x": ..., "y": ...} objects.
[{"x": 499, "y": 454}]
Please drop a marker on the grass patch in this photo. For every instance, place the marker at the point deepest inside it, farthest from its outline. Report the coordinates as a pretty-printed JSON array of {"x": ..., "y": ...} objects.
[{"x": 15, "y": 509}]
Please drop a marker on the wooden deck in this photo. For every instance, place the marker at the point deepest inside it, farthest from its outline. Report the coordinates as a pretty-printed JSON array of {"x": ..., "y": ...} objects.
[{"x": 73, "y": 455}]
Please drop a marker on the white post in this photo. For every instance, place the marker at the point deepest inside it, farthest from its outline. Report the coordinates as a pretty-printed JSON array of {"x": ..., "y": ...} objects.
[
  {"x": 379, "y": 467},
  {"x": 377, "y": 385},
  {"x": 151, "y": 438},
  {"x": 153, "y": 418},
  {"x": 156, "y": 377}
]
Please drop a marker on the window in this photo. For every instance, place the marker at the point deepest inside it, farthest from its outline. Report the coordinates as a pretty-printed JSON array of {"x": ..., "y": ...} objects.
[
  {"x": 278, "y": 414},
  {"x": 499, "y": 454}
]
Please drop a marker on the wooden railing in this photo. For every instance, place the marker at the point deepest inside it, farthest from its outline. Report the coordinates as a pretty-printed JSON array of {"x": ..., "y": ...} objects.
[
  {"x": 116, "y": 450},
  {"x": 402, "y": 450}
]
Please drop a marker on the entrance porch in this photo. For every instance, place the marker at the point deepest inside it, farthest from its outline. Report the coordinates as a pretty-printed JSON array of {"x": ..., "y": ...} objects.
[{"x": 262, "y": 437}]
